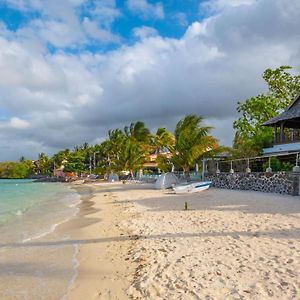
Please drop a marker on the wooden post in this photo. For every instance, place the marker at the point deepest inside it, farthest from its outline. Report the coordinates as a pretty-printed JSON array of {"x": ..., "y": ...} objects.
[{"x": 282, "y": 132}]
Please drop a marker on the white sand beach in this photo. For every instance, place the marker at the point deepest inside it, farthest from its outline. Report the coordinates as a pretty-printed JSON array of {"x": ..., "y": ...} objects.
[{"x": 228, "y": 245}]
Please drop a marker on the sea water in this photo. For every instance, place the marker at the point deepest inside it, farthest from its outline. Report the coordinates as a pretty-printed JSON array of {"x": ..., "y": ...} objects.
[{"x": 35, "y": 261}]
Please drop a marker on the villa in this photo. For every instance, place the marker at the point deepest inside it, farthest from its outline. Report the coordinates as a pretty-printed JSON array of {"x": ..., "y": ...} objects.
[{"x": 286, "y": 130}]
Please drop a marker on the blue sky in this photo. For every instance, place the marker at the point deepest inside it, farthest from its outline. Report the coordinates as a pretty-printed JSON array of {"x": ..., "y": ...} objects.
[
  {"x": 175, "y": 19},
  {"x": 177, "y": 16},
  {"x": 72, "y": 69}
]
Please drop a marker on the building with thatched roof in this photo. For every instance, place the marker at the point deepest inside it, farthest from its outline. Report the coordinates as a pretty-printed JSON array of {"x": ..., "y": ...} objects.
[{"x": 286, "y": 129}]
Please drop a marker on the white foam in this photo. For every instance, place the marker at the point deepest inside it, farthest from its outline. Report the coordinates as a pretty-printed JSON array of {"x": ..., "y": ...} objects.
[
  {"x": 75, "y": 264},
  {"x": 19, "y": 213},
  {"x": 38, "y": 236},
  {"x": 54, "y": 226},
  {"x": 52, "y": 229}
]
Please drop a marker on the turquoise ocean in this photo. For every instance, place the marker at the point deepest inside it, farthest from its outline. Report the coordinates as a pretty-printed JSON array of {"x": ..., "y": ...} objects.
[{"x": 36, "y": 262}]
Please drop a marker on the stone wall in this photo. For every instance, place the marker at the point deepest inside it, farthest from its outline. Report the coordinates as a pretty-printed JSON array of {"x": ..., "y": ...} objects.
[{"x": 282, "y": 183}]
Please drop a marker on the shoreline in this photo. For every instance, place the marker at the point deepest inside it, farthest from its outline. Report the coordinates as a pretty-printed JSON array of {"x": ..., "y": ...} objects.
[
  {"x": 85, "y": 193},
  {"x": 102, "y": 268},
  {"x": 36, "y": 260}
]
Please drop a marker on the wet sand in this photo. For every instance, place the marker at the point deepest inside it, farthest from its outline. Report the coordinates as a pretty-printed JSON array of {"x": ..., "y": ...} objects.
[{"x": 103, "y": 271}]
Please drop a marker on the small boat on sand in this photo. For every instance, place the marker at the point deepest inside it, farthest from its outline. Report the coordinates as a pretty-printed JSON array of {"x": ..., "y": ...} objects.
[{"x": 192, "y": 187}]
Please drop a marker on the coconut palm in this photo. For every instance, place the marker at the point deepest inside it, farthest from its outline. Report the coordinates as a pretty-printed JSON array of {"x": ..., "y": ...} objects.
[
  {"x": 192, "y": 140},
  {"x": 44, "y": 164},
  {"x": 138, "y": 132},
  {"x": 163, "y": 140},
  {"x": 132, "y": 156},
  {"x": 136, "y": 147},
  {"x": 116, "y": 139}
]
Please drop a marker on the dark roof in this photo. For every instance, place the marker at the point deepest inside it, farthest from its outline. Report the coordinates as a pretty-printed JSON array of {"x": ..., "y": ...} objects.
[{"x": 292, "y": 112}]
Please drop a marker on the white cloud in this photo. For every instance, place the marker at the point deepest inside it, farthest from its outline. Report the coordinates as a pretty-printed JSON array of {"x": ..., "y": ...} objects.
[
  {"x": 18, "y": 123},
  {"x": 20, "y": 4},
  {"x": 217, "y": 5},
  {"x": 60, "y": 23},
  {"x": 103, "y": 35},
  {"x": 14, "y": 123},
  {"x": 145, "y": 9},
  {"x": 105, "y": 12},
  {"x": 144, "y": 32},
  {"x": 67, "y": 99},
  {"x": 181, "y": 18}
]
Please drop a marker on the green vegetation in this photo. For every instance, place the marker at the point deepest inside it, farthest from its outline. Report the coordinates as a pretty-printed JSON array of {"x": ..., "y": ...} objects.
[
  {"x": 251, "y": 136},
  {"x": 129, "y": 149},
  {"x": 126, "y": 150},
  {"x": 277, "y": 165},
  {"x": 16, "y": 170},
  {"x": 191, "y": 142}
]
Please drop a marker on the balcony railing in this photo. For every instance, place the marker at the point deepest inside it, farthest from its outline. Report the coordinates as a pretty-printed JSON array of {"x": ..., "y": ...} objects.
[{"x": 289, "y": 136}]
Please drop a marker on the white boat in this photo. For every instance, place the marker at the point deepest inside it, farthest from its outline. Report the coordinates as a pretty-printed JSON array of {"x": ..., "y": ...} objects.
[{"x": 192, "y": 187}]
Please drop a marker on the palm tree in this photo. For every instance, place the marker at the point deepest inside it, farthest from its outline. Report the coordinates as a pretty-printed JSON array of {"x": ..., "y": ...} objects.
[
  {"x": 136, "y": 147},
  {"x": 132, "y": 156},
  {"x": 43, "y": 164},
  {"x": 163, "y": 140},
  {"x": 191, "y": 142},
  {"x": 22, "y": 159},
  {"x": 114, "y": 145},
  {"x": 137, "y": 131}
]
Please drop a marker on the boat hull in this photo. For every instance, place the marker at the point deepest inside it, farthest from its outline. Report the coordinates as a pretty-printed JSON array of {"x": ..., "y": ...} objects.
[{"x": 192, "y": 187}]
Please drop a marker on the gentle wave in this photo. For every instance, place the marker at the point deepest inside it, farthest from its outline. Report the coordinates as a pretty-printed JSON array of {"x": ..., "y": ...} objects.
[
  {"x": 75, "y": 264},
  {"x": 45, "y": 233}
]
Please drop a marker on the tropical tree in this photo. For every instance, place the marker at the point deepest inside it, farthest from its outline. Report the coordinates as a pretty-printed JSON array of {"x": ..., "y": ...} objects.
[
  {"x": 22, "y": 159},
  {"x": 163, "y": 143},
  {"x": 125, "y": 150},
  {"x": 75, "y": 162},
  {"x": 15, "y": 170},
  {"x": 136, "y": 147},
  {"x": 132, "y": 156},
  {"x": 138, "y": 133},
  {"x": 44, "y": 164},
  {"x": 113, "y": 148},
  {"x": 163, "y": 140},
  {"x": 192, "y": 140},
  {"x": 283, "y": 88}
]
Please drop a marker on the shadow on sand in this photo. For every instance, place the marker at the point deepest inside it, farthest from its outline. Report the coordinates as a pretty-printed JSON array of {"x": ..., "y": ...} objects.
[{"x": 281, "y": 234}]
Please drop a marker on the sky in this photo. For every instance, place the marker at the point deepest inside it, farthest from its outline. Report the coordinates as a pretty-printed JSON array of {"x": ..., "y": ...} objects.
[{"x": 70, "y": 70}]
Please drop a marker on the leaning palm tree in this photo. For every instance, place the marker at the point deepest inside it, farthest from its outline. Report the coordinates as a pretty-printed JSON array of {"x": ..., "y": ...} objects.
[
  {"x": 192, "y": 140},
  {"x": 138, "y": 132}
]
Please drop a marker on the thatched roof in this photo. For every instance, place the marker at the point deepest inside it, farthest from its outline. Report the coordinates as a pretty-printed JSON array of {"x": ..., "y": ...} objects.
[{"x": 291, "y": 115}]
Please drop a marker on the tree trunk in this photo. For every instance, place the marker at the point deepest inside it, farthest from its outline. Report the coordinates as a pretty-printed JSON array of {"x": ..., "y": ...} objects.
[
  {"x": 131, "y": 174},
  {"x": 186, "y": 172}
]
